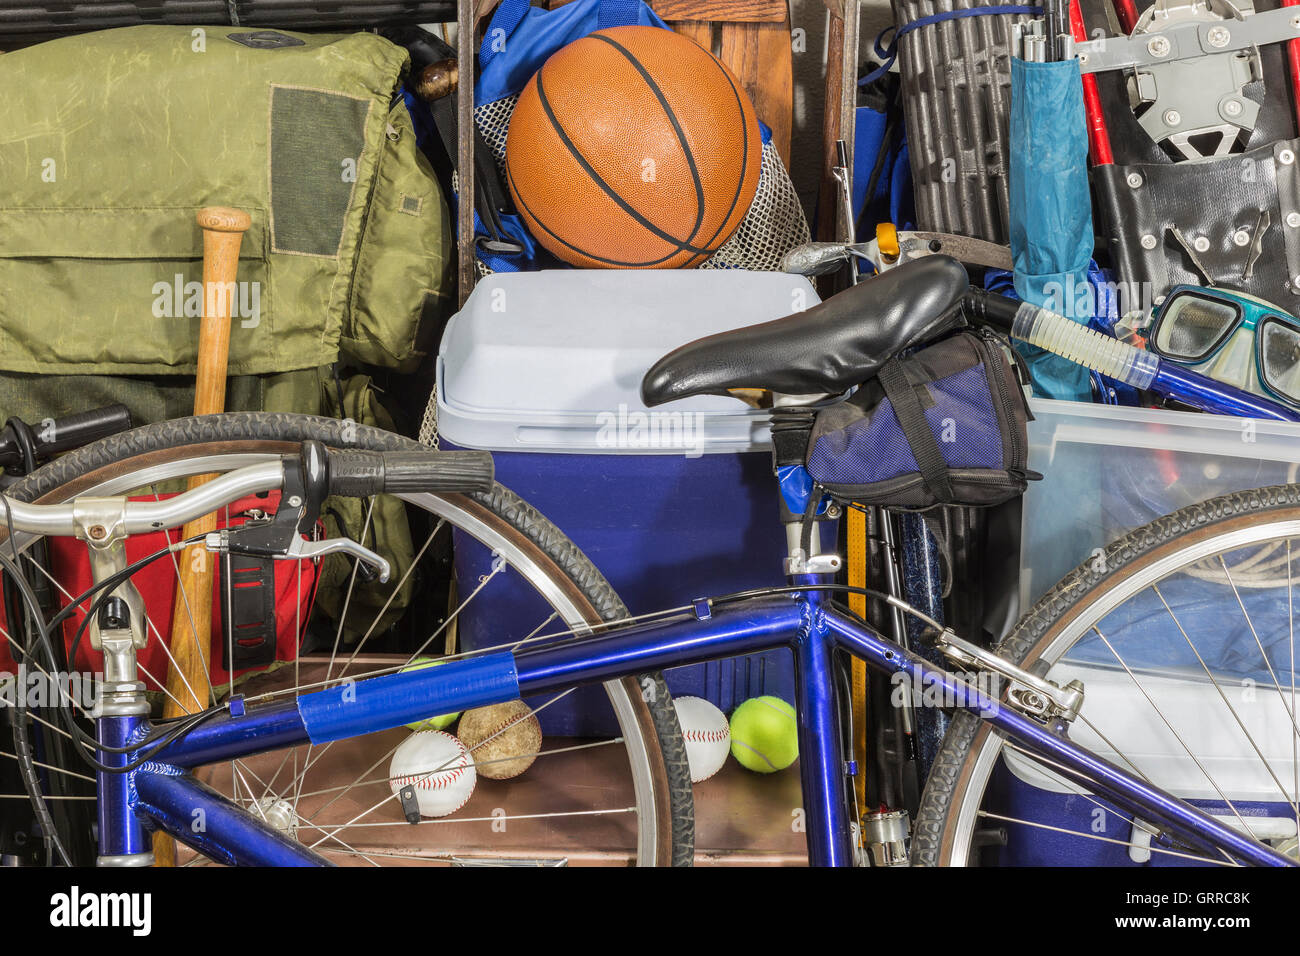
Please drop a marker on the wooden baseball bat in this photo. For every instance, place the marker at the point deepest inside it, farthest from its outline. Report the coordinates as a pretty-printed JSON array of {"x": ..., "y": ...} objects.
[
  {"x": 188, "y": 685},
  {"x": 439, "y": 79}
]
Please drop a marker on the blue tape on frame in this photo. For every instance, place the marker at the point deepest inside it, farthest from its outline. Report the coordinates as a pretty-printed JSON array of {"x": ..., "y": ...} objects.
[{"x": 379, "y": 703}]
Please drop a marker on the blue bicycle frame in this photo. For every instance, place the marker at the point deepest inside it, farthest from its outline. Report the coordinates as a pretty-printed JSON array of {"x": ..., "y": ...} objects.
[{"x": 161, "y": 793}]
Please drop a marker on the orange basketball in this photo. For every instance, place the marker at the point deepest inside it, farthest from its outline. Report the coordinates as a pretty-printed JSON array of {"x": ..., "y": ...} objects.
[{"x": 633, "y": 147}]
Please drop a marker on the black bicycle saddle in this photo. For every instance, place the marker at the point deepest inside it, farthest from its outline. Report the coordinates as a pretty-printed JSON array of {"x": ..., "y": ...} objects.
[{"x": 833, "y": 346}]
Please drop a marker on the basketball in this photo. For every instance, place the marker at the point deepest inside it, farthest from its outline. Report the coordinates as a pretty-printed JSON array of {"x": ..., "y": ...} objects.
[{"x": 633, "y": 148}]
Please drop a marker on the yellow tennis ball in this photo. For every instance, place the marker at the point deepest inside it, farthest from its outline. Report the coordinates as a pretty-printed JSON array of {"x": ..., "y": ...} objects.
[
  {"x": 764, "y": 734},
  {"x": 429, "y": 723}
]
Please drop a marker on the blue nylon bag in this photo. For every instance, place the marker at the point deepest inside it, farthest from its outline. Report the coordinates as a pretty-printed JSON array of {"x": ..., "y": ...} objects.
[
  {"x": 944, "y": 425},
  {"x": 522, "y": 37}
]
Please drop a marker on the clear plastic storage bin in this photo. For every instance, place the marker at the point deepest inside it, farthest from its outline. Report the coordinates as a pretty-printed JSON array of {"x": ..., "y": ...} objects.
[{"x": 1108, "y": 470}]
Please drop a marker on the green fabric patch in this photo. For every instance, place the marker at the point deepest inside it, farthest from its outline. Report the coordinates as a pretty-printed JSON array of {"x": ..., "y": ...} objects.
[{"x": 316, "y": 143}]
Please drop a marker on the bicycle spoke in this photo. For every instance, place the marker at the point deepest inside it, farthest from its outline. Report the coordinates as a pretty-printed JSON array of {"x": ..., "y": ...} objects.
[
  {"x": 1295, "y": 738},
  {"x": 1222, "y": 696},
  {"x": 194, "y": 635},
  {"x": 397, "y": 589},
  {"x": 376, "y": 781},
  {"x": 352, "y": 584},
  {"x": 430, "y": 773},
  {"x": 27, "y": 657},
  {"x": 149, "y": 625},
  {"x": 44, "y": 796},
  {"x": 487, "y": 579},
  {"x": 553, "y": 815},
  {"x": 1137, "y": 683},
  {"x": 261, "y": 812},
  {"x": 1113, "y": 747},
  {"x": 1079, "y": 791},
  {"x": 1260, "y": 645},
  {"x": 297, "y": 664},
  {"x": 46, "y": 766}
]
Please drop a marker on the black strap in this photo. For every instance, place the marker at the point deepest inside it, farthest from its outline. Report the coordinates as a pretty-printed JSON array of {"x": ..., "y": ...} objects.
[
  {"x": 490, "y": 195},
  {"x": 248, "y": 613},
  {"x": 911, "y": 418}
]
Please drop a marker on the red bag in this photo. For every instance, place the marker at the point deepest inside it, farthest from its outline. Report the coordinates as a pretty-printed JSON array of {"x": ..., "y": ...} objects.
[{"x": 293, "y": 597}]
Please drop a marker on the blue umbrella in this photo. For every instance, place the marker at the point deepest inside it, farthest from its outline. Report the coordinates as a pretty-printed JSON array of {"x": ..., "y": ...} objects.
[{"x": 1051, "y": 212}]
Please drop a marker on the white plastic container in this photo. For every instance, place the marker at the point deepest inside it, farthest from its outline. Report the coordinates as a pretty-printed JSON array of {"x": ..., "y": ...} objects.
[
  {"x": 546, "y": 361},
  {"x": 1108, "y": 470}
]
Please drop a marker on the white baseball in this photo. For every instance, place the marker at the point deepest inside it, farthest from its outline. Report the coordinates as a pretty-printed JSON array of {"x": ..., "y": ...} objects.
[
  {"x": 707, "y": 735},
  {"x": 440, "y": 769}
]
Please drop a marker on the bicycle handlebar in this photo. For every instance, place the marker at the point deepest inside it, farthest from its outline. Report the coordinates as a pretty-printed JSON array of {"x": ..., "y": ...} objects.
[{"x": 349, "y": 472}]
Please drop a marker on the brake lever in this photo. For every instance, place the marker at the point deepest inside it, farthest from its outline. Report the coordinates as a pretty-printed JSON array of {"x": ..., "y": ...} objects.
[
  {"x": 298, "y": 549},
  {"x": 282, "y": 537}
]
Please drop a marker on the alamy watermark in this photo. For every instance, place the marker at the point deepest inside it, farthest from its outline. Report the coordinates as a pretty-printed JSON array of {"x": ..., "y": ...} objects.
[
  {"x": 637, "y": 430},
  {"x": 977, "y": 689},
  {"x": 43, "y": 689},
  {"x": 181, "y": 299}
]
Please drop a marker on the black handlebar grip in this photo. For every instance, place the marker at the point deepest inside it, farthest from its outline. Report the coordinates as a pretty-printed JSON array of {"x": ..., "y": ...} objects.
[
  {"x": 991, "y": 309},
  {"x": 358, "y": 474},
  {"x": 82, "y": 428},
  {"x": 53, "y": 436}
]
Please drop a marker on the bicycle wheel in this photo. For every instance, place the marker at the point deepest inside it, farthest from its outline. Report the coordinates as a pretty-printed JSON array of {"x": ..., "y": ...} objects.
[
  {"x": 629, "y": 793},
  {"x": 1183, "y": 634}
]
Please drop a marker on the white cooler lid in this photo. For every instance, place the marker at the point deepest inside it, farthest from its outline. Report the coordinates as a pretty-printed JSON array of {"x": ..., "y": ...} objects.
[{"x": 552, "y": 361}]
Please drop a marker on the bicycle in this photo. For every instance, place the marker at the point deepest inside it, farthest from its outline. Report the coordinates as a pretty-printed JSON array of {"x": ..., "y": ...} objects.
[{"x": 148, "y": 775}]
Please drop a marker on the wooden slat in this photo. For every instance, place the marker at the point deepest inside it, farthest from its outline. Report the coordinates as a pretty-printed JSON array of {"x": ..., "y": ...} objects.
[
  {"x": 697, "y": 30},
  {"x": 759, "y": 54},
  {"x": 467, "y": 269},
  {"x": 723, "y": 11},
  {"x": 827, "y": 219},
  {"x": 720, "y": 11},
  {"x": 848, "y": 102}
]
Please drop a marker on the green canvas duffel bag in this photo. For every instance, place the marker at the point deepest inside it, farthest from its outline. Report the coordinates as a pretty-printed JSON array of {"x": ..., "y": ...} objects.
[{"x": 111, "y": 143}]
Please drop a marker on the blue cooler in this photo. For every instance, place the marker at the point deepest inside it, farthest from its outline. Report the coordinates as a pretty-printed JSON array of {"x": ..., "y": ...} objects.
[{"x": 544, "y": 369}]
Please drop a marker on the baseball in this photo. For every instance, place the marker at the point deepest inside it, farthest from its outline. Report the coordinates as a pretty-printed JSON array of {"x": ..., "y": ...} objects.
[
  {"x": 504, "y": 739},
  {"x": 707, "y": 736},
  {"x": 440, "y": 769}
]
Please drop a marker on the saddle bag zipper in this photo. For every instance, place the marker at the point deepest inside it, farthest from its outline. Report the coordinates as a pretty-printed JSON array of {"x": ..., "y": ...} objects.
[{"x": 994, "y": 358}]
